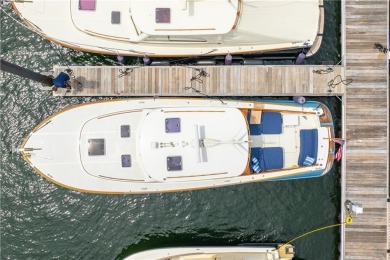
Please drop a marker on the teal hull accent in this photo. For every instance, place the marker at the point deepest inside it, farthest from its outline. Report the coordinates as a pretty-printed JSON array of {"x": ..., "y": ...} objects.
[{"x": 301, "y": 176}]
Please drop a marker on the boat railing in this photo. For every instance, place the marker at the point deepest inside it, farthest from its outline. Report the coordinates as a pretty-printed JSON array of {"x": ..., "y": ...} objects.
[
  {"x": 238, "y": 17},
  {"x": 248, "y": 172}
]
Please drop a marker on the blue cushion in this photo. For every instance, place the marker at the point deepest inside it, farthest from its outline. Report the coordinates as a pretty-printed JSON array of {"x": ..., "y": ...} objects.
[
  {"x": 255, "y": 129},
  {"x": 271, "y": 123},
  {"x": 269, "y": 158},
  {"x": 273, "y": 158},
  {"x": 309, "y": 145}
]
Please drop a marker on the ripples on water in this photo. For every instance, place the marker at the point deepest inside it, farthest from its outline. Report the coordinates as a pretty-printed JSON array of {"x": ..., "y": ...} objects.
[{"x": 40, "y": 220}]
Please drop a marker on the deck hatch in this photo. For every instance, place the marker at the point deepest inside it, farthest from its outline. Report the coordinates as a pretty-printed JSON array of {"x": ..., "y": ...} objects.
[
  {"x": 89, "y": 5},
  {"x": 125, "y": 131},
  {"x": 172, "y": 125},
  {"x": 126, "y": 160},
  {"x": 174, "y": 163},
  {"x": 163, "y": 15},
  {"x": 96, "y": 147},
  {"x": 115, "y": 17}
]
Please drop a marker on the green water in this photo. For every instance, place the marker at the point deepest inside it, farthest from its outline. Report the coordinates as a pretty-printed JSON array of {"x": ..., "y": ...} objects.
[{"x": 40, "y": 220}]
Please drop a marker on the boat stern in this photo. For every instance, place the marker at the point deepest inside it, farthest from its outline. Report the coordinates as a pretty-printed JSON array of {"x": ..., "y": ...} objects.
[{"x": 286, "y": 251}]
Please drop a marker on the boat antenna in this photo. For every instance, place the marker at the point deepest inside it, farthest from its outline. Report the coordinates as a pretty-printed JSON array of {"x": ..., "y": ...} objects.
[{"x": 25, "y": 73}]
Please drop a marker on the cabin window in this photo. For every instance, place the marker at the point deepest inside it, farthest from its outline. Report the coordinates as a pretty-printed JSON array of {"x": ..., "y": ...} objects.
[
  {"x": 115, "y": 17},
  {"x": 96, "y": 147},
  {"x": 172, "y": 125},
  {"x": 126, "y": 160},
  {"x": 174, "y": 163},
  {"x": 163, "y": 15},
  {"x": 125, "y": 131}
]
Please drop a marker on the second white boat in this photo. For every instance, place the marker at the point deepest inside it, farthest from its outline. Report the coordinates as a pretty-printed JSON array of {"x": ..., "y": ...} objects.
[{"x": 178, "y": 27}]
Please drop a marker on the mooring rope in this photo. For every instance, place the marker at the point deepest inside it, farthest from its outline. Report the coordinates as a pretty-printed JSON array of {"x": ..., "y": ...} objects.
[
  {"x": 380, "y": 47},
  {"x": 332, "y": 84},
  {"x": 198, "y": 78},
  {"x": 348, "y": 220},
  {"x": 324, "y": 71},
  {"x": 328, "y": 69},
  {"x": 126, "y": 72}
]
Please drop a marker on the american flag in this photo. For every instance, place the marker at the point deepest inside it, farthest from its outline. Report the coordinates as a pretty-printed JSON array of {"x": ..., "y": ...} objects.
[{"x": 339, "y": 152}]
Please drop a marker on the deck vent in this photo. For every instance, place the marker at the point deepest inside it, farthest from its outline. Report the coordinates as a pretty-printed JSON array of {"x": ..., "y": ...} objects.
[
  {"x": 174, "y": 163},
  {"x": 125, "y": 131},
  {"x": 172, "y": 125},
  {"x": 115, "y": 17},
  {"x": 163, "y": 15},
  {"x": 126, "y": 160},
  {"x": 96, "y": 147}
]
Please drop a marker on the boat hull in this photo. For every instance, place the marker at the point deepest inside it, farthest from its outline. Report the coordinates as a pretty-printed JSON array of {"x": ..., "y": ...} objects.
[
  {"x": 55, "y": 148},
  {"x": 259, "y": 27},
  {"x": 260, "y": 251}
]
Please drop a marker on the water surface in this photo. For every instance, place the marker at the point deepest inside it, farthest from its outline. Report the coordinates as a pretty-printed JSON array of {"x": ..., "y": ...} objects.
[{"x": 40, "y": 220}]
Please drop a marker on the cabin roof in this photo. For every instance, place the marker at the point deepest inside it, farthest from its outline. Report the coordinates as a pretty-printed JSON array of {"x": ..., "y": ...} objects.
[
  {"x": 184, "y": 17},
  {"x": 171, "y": 149}
]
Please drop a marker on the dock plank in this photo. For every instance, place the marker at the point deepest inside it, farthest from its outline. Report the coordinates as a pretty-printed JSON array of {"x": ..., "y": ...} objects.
[
  {"x": 210, "y": 80},
  {"x": 365, "y": 131}
]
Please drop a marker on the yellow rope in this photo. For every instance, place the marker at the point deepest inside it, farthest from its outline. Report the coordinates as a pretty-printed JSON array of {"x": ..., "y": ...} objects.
[{"x": 348, "y": 220}]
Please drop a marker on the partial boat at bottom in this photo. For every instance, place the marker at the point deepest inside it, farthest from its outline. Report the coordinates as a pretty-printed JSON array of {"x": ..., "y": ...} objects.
[
  {"x": 259, "y": 252},
  {"x": 173, "y": 144}
]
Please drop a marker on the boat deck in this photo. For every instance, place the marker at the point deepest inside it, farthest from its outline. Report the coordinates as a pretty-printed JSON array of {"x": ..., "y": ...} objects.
[{"x": 365, "y": 109}]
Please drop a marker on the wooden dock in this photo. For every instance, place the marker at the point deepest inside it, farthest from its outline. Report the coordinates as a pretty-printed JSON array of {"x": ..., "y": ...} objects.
[
  {"x": 365, "y": 109},
  {"x": 209, "y": 80},
  {"x": 365, "y": 167}
]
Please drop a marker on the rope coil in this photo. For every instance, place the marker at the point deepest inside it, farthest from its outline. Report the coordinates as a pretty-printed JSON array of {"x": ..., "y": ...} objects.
[
  {"x": 332, "y": 84},
  {"x": 324, "y": 71},
  {"x": 198, "y": 77},
  {"x": 125, "y": 72},
  {"x": 380, "y": 47}
]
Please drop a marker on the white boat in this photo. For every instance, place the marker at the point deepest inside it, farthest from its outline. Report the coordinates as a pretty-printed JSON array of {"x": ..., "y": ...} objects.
[
  {"x": 173, "y": 144},
  {"x": 177, "y": 28},
  {"x": 259, "y": 252}
]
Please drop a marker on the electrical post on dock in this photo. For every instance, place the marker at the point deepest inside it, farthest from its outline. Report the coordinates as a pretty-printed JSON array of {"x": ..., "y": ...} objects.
[{"x": 353, "y": 207}]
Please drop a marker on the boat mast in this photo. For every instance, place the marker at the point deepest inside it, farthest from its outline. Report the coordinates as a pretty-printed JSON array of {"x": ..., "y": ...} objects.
[{"x": 25, "y": 73}]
